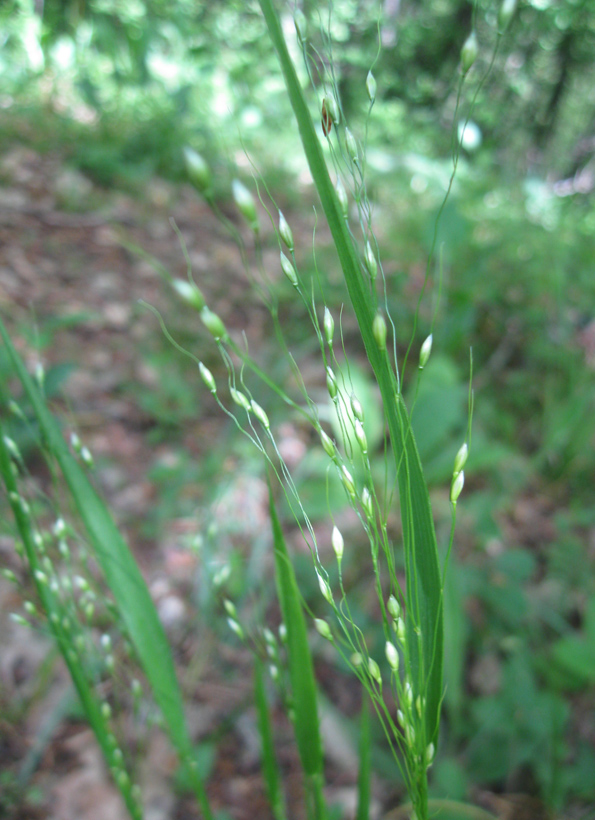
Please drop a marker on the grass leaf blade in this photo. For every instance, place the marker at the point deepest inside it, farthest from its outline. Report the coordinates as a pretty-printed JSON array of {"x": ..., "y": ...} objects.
[
  {"x": 365, "y": 764},
  {"x": 270, "y": 768},
  {"x": 301, "y": 668}
]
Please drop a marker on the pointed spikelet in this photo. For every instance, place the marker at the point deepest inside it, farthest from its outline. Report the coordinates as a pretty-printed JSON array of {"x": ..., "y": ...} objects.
[
  {"x": 246, "y": 204},
  {"x": 469, "y": 52},
  {"x": 371, "y": 86},
  {"x": 198, "y": 171}
]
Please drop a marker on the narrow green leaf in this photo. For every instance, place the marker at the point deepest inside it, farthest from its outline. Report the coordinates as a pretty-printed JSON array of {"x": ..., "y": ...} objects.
[
  {"x": 272, "y": 777},
  {"x": 122, "y": 575},
  {"x": 301, "y": 668},
  {"x": 425, "y": 614},
  {"x": 365, "y": 763}
]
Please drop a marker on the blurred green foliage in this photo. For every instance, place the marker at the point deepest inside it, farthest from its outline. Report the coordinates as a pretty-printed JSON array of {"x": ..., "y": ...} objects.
[{"x": 120, "y": 88}]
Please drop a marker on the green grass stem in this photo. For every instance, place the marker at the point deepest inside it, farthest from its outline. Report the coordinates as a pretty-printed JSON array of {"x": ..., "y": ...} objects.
[
  {"x": 270, "y": 768},
  {"x": 301, "y": 671}
]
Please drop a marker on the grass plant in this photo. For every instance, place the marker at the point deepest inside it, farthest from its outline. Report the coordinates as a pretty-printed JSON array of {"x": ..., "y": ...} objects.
[{"x": 404, "y": 686}]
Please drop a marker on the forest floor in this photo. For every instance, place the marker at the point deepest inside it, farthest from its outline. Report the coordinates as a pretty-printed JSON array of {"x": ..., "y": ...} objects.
[{"x": 66, "y": 258}]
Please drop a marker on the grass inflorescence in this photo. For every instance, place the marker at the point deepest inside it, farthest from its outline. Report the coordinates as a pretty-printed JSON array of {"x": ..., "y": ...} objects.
[{"x": 403, "y": 683}]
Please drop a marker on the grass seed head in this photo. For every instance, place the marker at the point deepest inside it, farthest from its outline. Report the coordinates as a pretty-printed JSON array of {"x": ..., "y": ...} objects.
[
  {"x": 424, "y": 353},
  {"x": 327, "y": 444},
  {"x": 285, "y": 232},
  {"x": 59, "y": 528},
  {"x": 330, "y": 104},
  {"x": 198, "y": 171},
  {"x": 87, "y": 458},
  {"x": 12, "y": 447},
  {"x": 360, "y": 436},
  {"x": 40, "y": 374},
  {"x": 230, "y": 608},
  {"x": 351, "y": 144},
  {"x": 323, "y": 628},
  {"x": 342, "y": 197},
  {"x": 356, "y": 407},
  {"x": 371, "y": 263},
  {"x": 367, "y": 502},
  {"x": 30, "y": 609},
  {"x": 23, "y": 504},
  {"x": 392, "y": 656},
  {"x": 325, "y": 589},
  {"x": 374, "y": 671},
  {"x": 371, "y": 86},
  {"x": 260, "y": 414},
  {"x": 469, "y": 52},
  {"x": 16, "y": 410},
  {"x": 289, "y": 270},
  {"x": 189, "y": 293},
  {"x": 221, "y": 576},
  {"x": 457, "y": 486},
  {"x": 235, "y": 627},
  {"x": 213, "y": 323},
  {"x": 122, "y": 778},
  {"x": 338, "y": 543},
  {"x": 331, "y": 383},
  {"x": 379, "y": 330},
  {"x": 394, "y": 607},
  {"x": 348, "y": 481},
  {"x": 240, "y": 399},
  {"x": 460, "y": 459},
  {"x": 246, "y": 204},
  {"x": 505, "y": 15},
  {"x": 207, "y": 377},
  {"x": 329, "y": 327}
]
